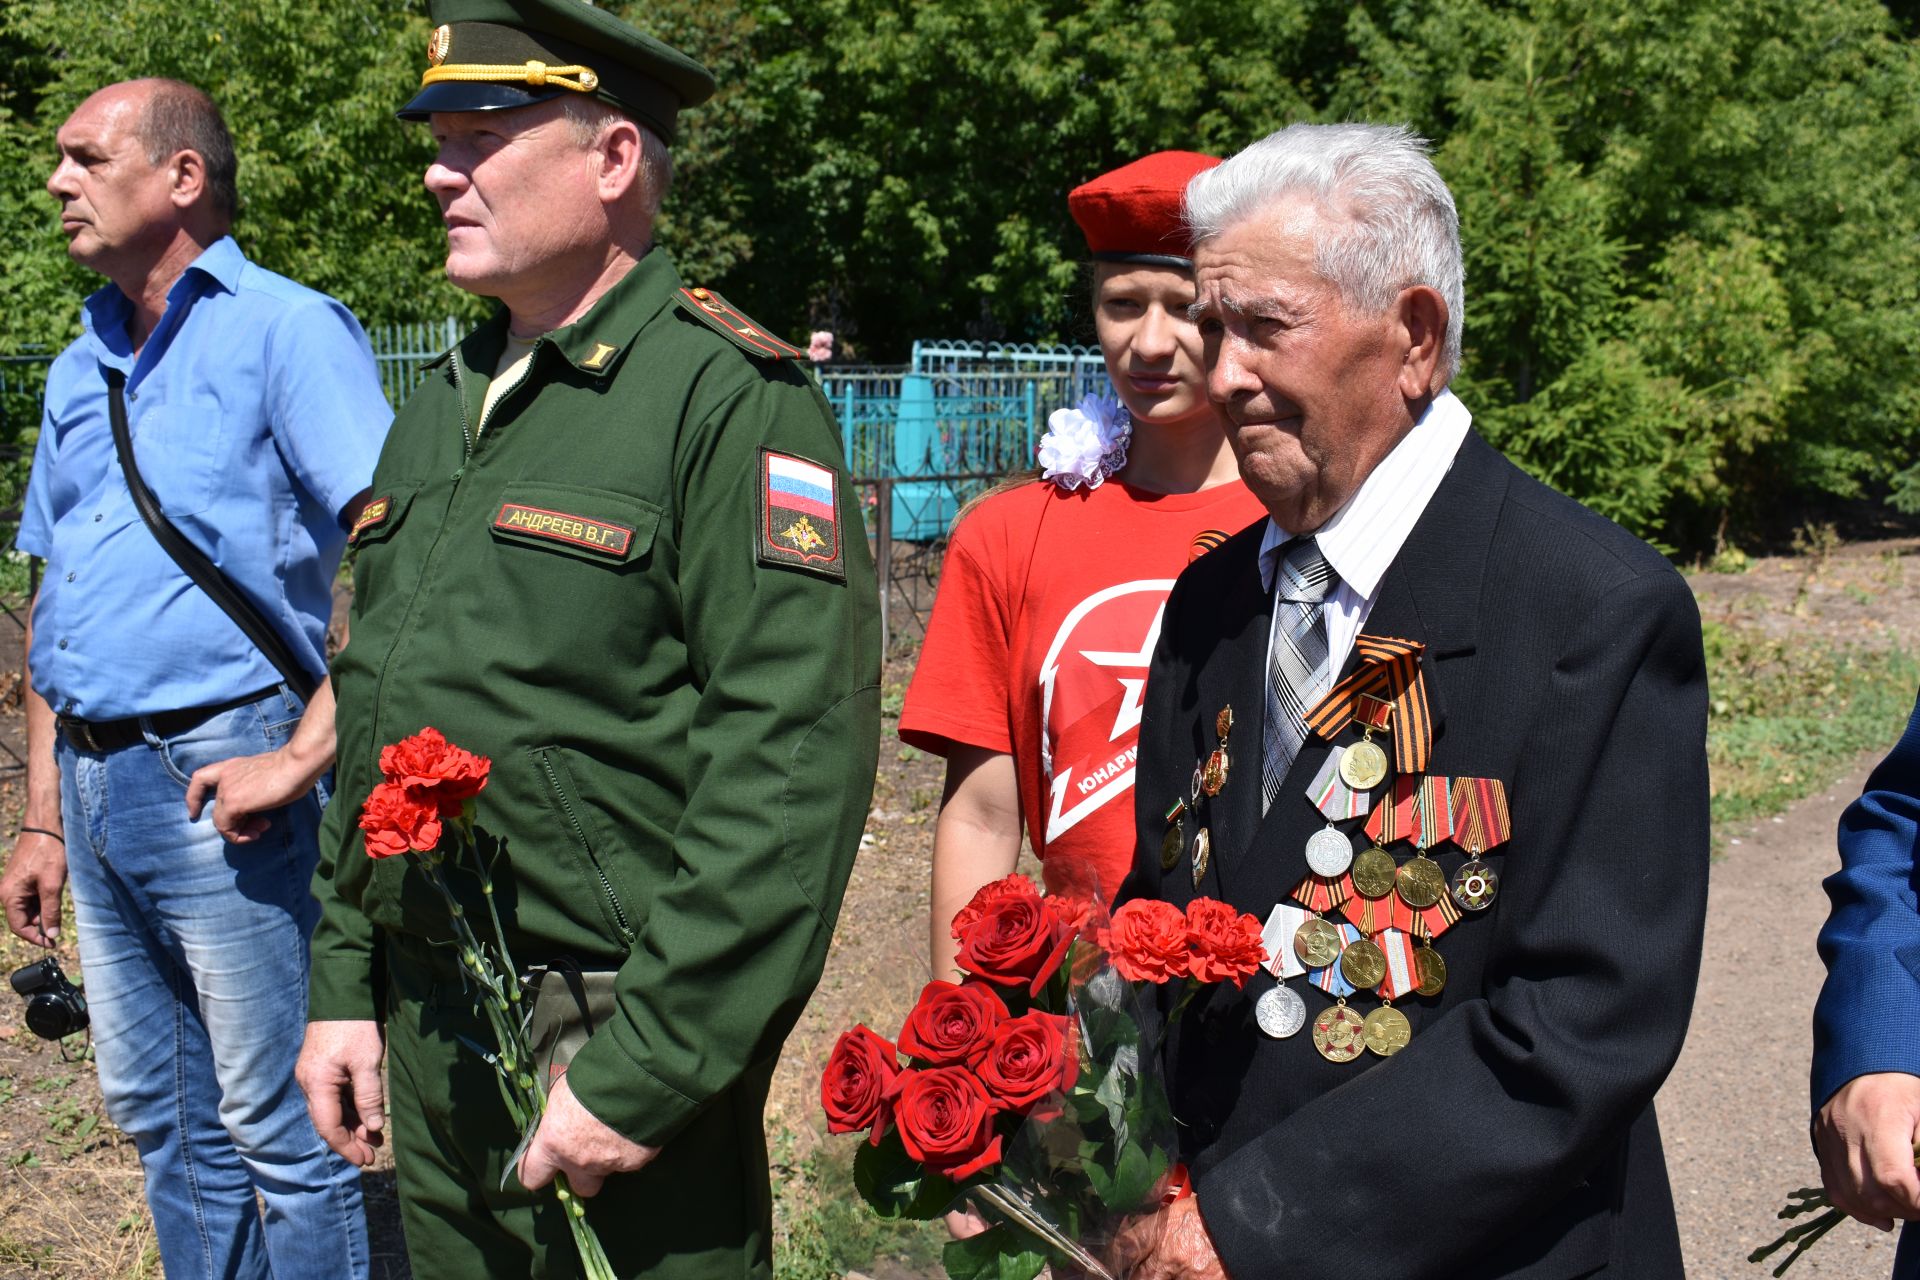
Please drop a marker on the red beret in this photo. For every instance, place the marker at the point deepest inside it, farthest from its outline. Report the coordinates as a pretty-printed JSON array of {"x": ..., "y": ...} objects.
[{"x": 1133, "y": 213}]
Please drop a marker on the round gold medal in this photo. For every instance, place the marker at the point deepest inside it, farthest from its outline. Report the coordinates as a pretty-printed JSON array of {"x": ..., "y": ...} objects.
[
  {"x": 1387, "y": 1031},
  {"x": 1373, "y": 873},
  {"x": 1339, "y": 1034},
  {"x": 1202, "y": 855},
  {"x": 1363, "y": 964},
  {"x": 1316, "y": 943},
  {"x": 1363, "y": 766},
  {"x": 438, "y": 45},
  {"x": 1213, "y": 775},
  {"x": 1475, "y": 884},
  {"x": 1429, "y": 972},
  {"x": 1170, "y": 848},
  {"x": 1420, "y": 882}
]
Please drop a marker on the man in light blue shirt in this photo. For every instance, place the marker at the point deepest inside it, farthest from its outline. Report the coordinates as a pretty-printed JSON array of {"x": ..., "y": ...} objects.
[{"x": 256, "y": 416}]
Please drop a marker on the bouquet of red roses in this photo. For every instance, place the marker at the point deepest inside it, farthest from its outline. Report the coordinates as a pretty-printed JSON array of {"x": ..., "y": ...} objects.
[{"x": 1028, "y": 1087}]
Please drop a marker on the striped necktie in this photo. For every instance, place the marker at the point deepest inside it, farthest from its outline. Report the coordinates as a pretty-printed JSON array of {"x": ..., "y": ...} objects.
[{"x": 1298, "y": 673}]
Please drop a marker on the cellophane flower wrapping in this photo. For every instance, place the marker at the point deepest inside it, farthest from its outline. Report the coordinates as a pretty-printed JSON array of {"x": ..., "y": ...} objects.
[{"x": 1029, "y": 1089}]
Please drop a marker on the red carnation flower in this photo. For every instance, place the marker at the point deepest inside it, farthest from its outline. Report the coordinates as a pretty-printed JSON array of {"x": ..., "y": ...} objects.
[
  {"x": 1225, "y": 943},
  {"x": 859, "y": 1071},
  {"x": 395, "y": 822},
  {"x": 1073, "y": 911},
  {"x": 434, "y": 771},
  {"x": 1013, "y": 886},
  {"x": 950, "y": 1024},
  {"x": 1029, "y": 1059},
  {"x": 945, "y": 1120},
  {"x": 1148, "y": 941}
]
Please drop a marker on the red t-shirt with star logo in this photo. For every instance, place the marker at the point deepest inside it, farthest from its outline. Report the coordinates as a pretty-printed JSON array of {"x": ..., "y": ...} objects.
[{"x": 1046, "y": 617}]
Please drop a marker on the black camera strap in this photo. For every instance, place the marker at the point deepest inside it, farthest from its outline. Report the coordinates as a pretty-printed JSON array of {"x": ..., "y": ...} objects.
[{"x": 192, "y": 561}]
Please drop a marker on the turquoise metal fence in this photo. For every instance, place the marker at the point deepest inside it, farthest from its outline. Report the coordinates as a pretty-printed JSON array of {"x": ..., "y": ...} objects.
[
  {"x": 1082, "y": 369},
  {"x": 937, "y": 439},
  {"x": 400, "y": 349}
]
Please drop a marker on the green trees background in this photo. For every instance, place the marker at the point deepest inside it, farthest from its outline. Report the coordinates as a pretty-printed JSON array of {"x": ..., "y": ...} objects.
[{"x": 1692, "y": 226}]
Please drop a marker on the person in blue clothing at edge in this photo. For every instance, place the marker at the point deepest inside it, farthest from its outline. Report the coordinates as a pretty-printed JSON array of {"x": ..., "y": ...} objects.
[
  {"x": 1866, "y": 1024},
  {"x": 256, "y": 415}
]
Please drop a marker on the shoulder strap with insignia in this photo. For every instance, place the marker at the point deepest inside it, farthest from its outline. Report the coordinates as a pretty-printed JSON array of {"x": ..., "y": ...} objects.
[{"x": 723, "y": 317}]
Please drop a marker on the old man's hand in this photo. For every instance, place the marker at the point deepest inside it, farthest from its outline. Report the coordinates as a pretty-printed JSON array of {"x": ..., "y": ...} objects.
[
  {"x": 573, "y": 1141},
  {"x": 1172, "y": 1244}
]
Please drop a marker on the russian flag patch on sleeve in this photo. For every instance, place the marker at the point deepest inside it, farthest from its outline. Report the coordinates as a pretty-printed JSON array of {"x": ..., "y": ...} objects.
[{"x": 800, "y": 515}]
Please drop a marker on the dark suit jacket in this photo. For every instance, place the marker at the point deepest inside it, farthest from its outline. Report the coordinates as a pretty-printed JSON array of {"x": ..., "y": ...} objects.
[
  {"x": 1868, "y": 1015},
  {"x": 1515, "y": 1135}
]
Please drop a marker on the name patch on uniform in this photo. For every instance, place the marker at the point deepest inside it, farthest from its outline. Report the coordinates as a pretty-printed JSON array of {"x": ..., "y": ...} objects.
[
  {"x": 372, "y": 516},
  {"x": 558, "y": 526},
  {"x": 800, "y": 515}
]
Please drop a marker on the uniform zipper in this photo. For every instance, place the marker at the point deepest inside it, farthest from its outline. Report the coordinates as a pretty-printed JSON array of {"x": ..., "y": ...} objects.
[
  {"x": 526, "y": 371},
  {"x": 573, "y": 820},
  {"x": 460, "y": 394}
]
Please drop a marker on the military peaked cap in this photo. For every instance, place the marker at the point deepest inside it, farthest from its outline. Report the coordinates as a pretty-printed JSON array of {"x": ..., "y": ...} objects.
[{"x": 492, "y": 55}]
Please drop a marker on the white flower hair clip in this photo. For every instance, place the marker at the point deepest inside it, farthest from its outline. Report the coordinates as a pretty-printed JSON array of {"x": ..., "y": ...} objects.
[{"x": 1085, "y": 444}]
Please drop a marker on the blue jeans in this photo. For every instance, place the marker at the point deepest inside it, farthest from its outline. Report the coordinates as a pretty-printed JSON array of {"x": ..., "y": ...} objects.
[{"x": 193, "y": 953}]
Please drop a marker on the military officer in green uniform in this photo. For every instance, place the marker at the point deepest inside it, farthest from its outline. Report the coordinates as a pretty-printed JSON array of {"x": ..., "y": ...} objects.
[{"x": 611, "y": 545}]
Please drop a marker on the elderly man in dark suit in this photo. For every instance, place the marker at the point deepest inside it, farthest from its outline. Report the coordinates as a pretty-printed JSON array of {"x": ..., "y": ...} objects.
[{"x": 1484, "y": 955}]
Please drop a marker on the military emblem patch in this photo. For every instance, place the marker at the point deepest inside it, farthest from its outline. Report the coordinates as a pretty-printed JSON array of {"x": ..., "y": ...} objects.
[
  {"x": 372, "y": 516},
  {"x": 800, "y": 515},
  {"x": 603, "y": 536}
]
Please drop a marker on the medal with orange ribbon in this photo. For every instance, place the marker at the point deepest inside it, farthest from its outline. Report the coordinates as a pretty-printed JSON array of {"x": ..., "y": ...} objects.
[
  {"x": 1483, "y": 823},
  {"x": 1389, "y": 672},
  {"x": 1420, "y": 881}
]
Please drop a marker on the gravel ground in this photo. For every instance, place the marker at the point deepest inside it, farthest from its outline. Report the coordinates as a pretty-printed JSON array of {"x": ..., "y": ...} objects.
[{"x": 1734, "y": 1111}]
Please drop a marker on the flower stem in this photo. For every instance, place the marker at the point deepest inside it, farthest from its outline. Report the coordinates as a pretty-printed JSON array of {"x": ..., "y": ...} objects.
[
  {"x": 499, "y": 999},
  {"x": 593, "y": 1258}
]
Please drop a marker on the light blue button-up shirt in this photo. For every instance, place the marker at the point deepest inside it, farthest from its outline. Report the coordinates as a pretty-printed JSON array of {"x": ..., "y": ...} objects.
[{"x": 256, "y": 415}]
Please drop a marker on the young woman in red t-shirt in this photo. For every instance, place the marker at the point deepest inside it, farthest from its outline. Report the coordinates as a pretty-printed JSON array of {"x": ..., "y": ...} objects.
[{"x": 1030, "y": 679}]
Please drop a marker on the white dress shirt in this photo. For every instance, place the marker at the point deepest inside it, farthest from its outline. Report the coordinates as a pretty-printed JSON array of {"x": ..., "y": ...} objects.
[{"x": 1365, "y": 535}]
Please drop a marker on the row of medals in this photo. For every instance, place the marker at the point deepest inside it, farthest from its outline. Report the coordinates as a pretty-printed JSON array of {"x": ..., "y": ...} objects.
[{"x": 1340, "y": 1034}]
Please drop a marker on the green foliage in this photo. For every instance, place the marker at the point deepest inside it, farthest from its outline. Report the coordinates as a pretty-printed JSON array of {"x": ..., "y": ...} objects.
[
  {"x": 1788, "y": 714},
  {"x": 329, "y": 180},
  {"x": 995, "y": 1254},
  {"x": 823, "y": 1230},
  {"x": 1692, "y": 227},
  {"x": 892, "y": 1182}
]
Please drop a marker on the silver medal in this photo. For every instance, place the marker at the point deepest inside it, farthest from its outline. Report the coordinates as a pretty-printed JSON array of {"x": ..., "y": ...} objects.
[
  {"x": 1329, "y": 852},
  {"x": 1280, "y": 1012},
  {"x": 1475, "y": 885}
]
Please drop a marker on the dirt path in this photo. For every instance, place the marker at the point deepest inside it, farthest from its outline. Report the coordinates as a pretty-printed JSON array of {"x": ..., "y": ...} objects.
[{"x": 1734, "y": 1112}]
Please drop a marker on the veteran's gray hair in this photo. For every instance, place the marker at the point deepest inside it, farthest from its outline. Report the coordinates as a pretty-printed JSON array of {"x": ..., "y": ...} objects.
[
  {"x": 586, "y": 116},
  {"x": 1401, "y": 226}
]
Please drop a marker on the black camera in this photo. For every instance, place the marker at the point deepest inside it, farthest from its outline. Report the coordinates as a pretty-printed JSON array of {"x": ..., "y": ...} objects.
[{"x": 55, "y": 1007}]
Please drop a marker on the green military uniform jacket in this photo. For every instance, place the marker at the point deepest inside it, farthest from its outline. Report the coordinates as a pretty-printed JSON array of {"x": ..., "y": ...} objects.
[{"x": 681, "y": 708}]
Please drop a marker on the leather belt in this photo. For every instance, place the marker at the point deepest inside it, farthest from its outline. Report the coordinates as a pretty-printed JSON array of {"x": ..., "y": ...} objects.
[{"x": 111, "y": 735}]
